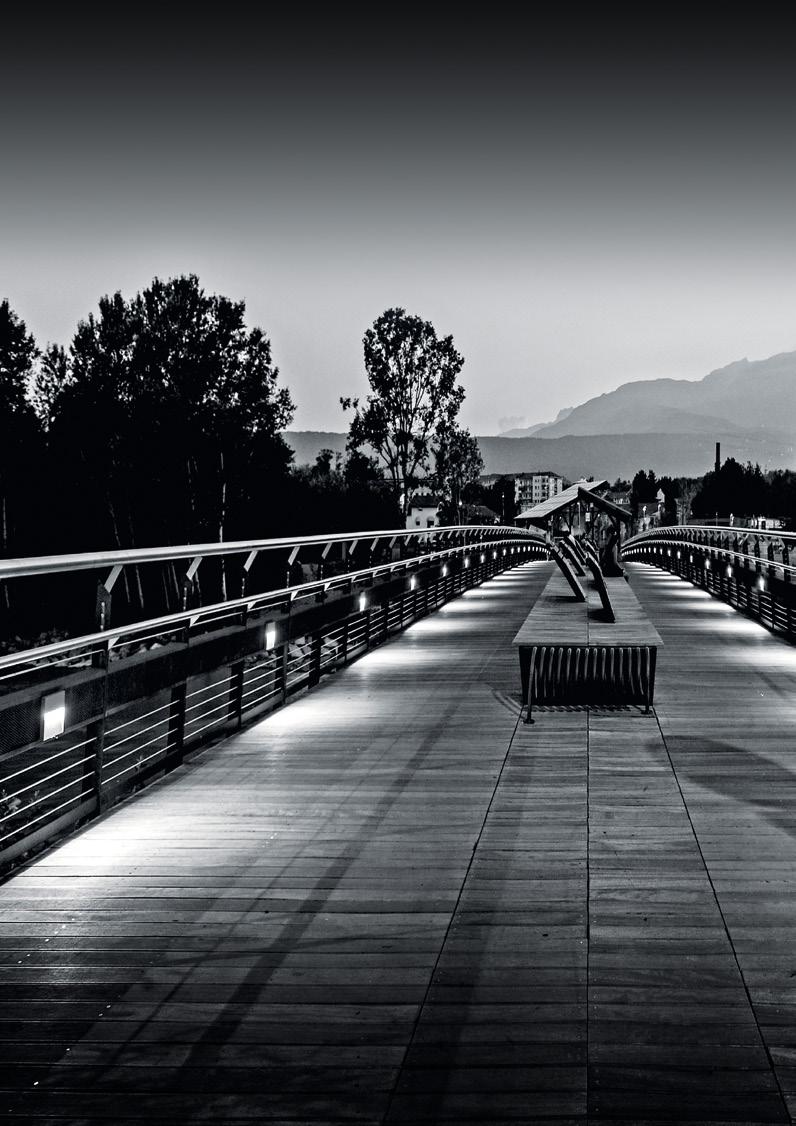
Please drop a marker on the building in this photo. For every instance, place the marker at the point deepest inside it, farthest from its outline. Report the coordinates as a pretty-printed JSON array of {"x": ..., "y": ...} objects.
[
  {"x": 534, "y": 488},
  {"x": 423, "y": 512}
]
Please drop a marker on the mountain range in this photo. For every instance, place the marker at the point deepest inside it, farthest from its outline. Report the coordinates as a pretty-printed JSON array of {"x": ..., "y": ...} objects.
[
  {"x": 669, "y": 425},
  {"x": 743, "y": 397}
]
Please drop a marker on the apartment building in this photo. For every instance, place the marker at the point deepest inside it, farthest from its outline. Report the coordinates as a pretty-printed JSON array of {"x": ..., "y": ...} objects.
[{"x": 533, "y": 488}]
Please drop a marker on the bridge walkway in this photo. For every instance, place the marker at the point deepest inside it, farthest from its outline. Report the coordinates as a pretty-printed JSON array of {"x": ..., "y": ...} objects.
[{"x": 392, "y": 902}]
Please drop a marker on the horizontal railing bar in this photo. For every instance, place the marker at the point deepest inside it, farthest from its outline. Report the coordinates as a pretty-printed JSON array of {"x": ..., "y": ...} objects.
[
  {"x": 332, "y": 635},
  {"x": 265, "y": 695},
  {"x": 43, "y": 816},
  {"x": 150, "y": 758},
  {"x": 90, "y": 561},
  {"x": 116, "y": 636},
  {"x": 762, "y": 560},
  {"x": 43, "y": 781},
  {"x": 43, "y": 762},
  {"x": 39, "y": 801},
  {"x": 134, "y": 734},
  {"x": 138, "y": 718},
  {"x": 136, "y": 750}
]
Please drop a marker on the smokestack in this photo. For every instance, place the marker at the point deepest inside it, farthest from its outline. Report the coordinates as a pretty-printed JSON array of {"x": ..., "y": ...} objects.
[{"x": 718, "y": 456}]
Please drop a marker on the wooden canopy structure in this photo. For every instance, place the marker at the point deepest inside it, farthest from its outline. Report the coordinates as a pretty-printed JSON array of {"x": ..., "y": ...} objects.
[{"x": 573, "y": 507}]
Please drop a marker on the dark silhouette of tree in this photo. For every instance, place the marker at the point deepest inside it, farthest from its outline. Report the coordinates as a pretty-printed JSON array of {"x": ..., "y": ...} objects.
[
  {"x": 414, "y": 396},
  {"x": 740, "y": 490},
  {"x": 167, "y": 411},
  {"x": 457, "y": 464},
  {"x": 644, "y": 487},
  {"x": 20, "y": 437},
  {"x": 339, "y": 495}
]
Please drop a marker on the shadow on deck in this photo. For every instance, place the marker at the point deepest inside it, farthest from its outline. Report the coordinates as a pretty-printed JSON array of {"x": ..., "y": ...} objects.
[{"x": 391, "y": 902}]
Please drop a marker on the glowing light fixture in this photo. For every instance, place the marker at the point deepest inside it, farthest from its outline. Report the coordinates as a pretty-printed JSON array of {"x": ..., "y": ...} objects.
[{"x": 53, "y": 715}]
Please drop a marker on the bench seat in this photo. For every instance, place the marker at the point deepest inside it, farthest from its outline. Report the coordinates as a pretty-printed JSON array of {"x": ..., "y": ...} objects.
[{"x": 570, "y": 654}]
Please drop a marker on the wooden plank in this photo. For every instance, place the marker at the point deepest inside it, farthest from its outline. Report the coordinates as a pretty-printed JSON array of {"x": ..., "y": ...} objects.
[{"x": 391, "y": 903}]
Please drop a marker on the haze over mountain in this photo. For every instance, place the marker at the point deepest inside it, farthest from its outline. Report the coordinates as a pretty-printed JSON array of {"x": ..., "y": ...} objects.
[
  {"x": 669, "y": 425},
  {"x": 744, "y": 397},
  {"x": 617, "y": 455}
]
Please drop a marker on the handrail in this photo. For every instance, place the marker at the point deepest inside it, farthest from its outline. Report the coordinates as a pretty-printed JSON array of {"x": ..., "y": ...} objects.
[
  {"x": 86, "y": 721},
  {"x": 684, "y": 531},
  {"x": 761, "y": 584},
  {"x": 115, "y": 636},
  {"x": 26, "y": 566}
]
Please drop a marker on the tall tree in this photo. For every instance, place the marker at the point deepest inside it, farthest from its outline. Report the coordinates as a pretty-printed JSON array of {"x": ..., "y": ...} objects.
[
  {"x": 170, "y": 411},
  {"x": 457, "y": 464},
  {"x": 19, "y": 434},
  {"x": 414, "y": 396}
]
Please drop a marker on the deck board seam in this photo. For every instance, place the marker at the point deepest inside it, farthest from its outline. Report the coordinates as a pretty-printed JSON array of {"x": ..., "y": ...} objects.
[
  {"x": 717, "y": 901},
  {"x": 433, "y": 974}
]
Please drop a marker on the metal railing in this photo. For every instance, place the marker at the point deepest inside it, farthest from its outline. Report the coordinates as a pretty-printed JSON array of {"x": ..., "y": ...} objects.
[
  {"x": 87, "y": 720},
  {"x": 748, "y": 569}
]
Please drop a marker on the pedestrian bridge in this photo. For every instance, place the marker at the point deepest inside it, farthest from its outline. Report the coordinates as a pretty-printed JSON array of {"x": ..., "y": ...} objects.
[{"x": 392, "y": 901}]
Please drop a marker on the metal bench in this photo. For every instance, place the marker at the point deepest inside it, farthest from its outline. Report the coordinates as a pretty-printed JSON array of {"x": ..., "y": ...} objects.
[{"x": 599, "y": 651}]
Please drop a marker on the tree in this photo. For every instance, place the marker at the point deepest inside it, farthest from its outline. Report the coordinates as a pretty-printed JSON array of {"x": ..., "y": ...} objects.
[
  {"x": 457, "y": 464},
  {"x": 20, "y": 435},
  {"x": 414, "y": 396},
  {"x": 167, "y": 409},
  {"x": 644, "y": 488},
  {"x": 737, "y": 489},
  {"x": 336, "y": 496}
]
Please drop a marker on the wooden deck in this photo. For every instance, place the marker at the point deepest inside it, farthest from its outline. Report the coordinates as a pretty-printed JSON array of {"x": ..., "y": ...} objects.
[{"x": 392, "y": 902}]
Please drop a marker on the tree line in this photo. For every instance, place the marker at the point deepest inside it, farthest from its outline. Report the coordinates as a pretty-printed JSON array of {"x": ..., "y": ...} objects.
[
  {"x": 734, "y": 490},
  {"x": 162, "y": 421}
]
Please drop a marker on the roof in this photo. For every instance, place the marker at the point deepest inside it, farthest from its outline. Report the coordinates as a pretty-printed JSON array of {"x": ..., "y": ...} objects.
[
  {"x": 424, "y": 500},
  {"x": 541, "y": 513},
  {"x": 540, "y": 473}
]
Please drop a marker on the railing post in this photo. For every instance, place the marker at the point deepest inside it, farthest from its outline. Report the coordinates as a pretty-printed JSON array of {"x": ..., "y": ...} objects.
[
  {"x": 175, "y": 733},
  {"x": 316, "y": 643},
  {"x": 100, "y": 660},
  {"x": 236, "y": 693}
]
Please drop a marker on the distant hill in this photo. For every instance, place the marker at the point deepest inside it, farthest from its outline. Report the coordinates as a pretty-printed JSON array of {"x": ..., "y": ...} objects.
[
  {"x": 529, "y": 431},
  {"x": 620, "y": 455},
  {"x": 743, "y": 398},
  {"x": 617, "y": 455},
  {"x": 307, "y": 444}
]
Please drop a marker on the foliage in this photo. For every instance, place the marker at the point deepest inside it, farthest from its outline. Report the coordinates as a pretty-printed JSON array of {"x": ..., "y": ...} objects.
[
  {"x": 339, "y": 495},
  {"x": 457, "y": 465},
  {"x": 644, "y": 488},
  {"x": 167, "y": 412},
  {"x": 414, "y": 396},
  {"x": 20, "y": 437},
  {"x": 737, "y": 489}
]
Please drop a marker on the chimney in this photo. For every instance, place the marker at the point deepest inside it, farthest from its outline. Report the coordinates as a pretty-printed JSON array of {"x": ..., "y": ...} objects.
[{"x": 718, "y": 456}]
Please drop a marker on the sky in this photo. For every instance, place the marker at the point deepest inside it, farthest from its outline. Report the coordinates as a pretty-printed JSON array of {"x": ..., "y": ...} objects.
[{"x": 577, "y": 206}]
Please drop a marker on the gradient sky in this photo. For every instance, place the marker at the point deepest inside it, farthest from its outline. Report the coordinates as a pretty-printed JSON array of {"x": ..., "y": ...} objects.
[{"x": 579, "y": 208}]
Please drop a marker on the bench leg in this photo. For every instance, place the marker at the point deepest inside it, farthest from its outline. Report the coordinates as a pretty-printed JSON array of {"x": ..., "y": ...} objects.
[
  {"x": 527, "y": 662},
  {"x": 653, "y": 652}
]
